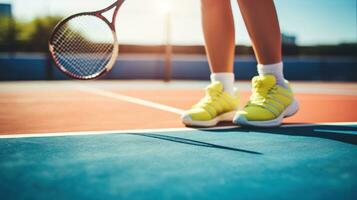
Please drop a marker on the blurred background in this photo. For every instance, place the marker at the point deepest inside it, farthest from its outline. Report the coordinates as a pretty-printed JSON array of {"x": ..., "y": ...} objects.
[{"x": 162, "y": 39}]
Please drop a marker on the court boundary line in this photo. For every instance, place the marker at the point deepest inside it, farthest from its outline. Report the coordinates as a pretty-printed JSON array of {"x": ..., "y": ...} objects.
[
  {"x": 86, "y": 133},
  {"x": 129, "y": 99}
]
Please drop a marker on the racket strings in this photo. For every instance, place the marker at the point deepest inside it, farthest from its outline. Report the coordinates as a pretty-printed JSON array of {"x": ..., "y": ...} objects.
[
  {"x": 70, "y": 56},
  {"x": 85, "y": 64},
  {"x": 83, "y": 46}
]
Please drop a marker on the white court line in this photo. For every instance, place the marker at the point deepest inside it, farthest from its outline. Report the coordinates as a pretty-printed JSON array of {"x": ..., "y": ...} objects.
[
  {"x": 166, "y": 130},
  {"x": 317, "y": 124},
  {"x": 130, "y": 99},
  {"x": 63, "y": 134}
]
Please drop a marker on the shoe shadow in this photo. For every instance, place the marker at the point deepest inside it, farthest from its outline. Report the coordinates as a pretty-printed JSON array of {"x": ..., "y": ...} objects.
[
  {"x": 192, "y": 142},
  {"x": 342, "y": 133}
]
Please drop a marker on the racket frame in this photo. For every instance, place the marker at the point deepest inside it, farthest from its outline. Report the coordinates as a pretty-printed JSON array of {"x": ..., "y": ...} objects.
[{"x": 99, "y": 14}]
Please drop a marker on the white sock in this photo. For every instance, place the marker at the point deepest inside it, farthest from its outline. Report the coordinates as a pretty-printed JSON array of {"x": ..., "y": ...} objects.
[
  {"x": 275, "y": 70},
  {"x": 227, "y": 80}
]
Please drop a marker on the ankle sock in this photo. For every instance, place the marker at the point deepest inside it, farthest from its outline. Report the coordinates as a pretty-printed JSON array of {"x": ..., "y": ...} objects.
[
  {"x": 275, "y": 70},
  {"x": 227, "y": 80}
]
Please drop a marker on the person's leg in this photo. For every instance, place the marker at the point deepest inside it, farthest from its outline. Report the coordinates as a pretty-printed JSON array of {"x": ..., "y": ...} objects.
[
  {"x": 263, "y": 27},
  {"x": 272, "y": 98},
  {"x": 220, "y": 102},
  {"x": 218, "y": 29}
]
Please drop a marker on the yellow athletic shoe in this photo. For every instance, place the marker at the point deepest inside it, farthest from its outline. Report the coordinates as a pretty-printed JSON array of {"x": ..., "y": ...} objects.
[
  {"x": 268, "y": 105},
  {"x": 215, "y": 107}
]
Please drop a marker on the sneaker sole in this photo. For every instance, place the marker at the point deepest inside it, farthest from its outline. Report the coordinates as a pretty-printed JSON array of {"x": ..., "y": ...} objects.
[
  {"x": 213, "y": 122},
  {"x": 291, "y": 110}
]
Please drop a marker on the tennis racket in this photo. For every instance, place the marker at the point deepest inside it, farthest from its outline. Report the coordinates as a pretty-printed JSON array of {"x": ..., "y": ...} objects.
[{"x": 85, "y": 46}]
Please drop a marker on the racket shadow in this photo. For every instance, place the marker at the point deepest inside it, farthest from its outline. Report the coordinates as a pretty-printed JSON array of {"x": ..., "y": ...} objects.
[{"x": 192, "y": 142}]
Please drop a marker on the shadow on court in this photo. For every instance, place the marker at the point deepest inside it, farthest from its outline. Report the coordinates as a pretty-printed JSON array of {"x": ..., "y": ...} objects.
[
  {"x": 345, "y": 134},
  {"x": 341, "y": 133},
  {"x": 192, "y": 142}
]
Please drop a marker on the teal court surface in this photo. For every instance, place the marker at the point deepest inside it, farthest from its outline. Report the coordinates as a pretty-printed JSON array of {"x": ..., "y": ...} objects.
[{"x": 300, "y": 160}]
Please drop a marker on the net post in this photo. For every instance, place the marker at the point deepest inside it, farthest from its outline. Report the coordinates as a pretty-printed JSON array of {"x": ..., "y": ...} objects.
[{"x": 168, "y": 49}]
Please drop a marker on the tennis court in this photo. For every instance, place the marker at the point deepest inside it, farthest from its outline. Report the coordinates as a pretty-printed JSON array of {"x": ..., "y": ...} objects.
[
  {"x": 124, "y": 139},
  {"x": 92, "y": 94}
]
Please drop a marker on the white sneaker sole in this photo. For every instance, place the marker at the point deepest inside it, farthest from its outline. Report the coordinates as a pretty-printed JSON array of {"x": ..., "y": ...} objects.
[
  {"x": 186, "y": 119},
  {"x": 289, "y": 111}
]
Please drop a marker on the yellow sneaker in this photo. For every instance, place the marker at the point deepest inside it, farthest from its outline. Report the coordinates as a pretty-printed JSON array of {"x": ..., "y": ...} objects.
[
  {"x": 215, "y": 107},
  {"x": 268, "y": 104}
]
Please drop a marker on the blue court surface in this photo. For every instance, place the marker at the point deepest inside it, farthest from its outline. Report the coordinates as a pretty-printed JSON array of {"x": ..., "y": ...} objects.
[{"x": 293, "y": 162}]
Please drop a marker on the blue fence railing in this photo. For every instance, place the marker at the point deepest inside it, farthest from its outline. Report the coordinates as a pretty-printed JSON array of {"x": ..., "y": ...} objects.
[{"x": 36, "y": 67}]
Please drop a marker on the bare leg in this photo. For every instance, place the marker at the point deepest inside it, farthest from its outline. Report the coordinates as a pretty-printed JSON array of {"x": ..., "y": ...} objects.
[
  {"x": 218, "y": 29},
  {"x": 263, "y": 27},
  {"x": 272, "y": 99}
]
